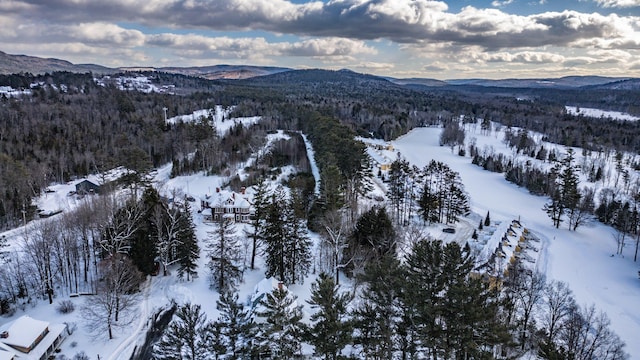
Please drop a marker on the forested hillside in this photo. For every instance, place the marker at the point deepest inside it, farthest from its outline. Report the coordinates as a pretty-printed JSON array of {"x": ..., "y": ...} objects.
[
  {"x": 62, "y": 126},
  {"x": 70, "y": 126}
]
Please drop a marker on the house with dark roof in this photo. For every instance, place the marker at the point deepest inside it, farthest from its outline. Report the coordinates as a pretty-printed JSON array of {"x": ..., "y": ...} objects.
[{"x": 87, "y": 187}]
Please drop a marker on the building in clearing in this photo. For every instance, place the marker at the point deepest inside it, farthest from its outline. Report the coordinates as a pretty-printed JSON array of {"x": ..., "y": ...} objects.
[
  {"x": 28, "y": 338},
  {"x": 233, "y": 206},
  {"x": 87, "y": 187}
]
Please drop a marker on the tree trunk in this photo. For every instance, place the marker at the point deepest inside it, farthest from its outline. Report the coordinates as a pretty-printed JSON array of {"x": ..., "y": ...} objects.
[{"x": 253, "y": 252}]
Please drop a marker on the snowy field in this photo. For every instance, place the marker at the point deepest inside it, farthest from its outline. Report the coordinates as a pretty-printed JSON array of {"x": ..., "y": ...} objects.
[
  {"x": 220, "y": 117},
  {"x": 597, "y": 113},
  {"x": 582, "y": 258}
]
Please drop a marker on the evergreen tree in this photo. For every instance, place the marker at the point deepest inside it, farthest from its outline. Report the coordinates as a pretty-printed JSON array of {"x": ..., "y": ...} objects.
[
  {"x": 330, "y": 330},
  {"x": 282, "y": 330},
  {"x": 260, "y": 202},
  {"x": 214, "y": 341},
  {"x": 224, "y": 252},
  {"x": 568, "y": 184},
  {"x": 565, "y": 197},
  {"x": 429, "y": 204},
  {"x": 274, "y": 236},
  {"x": 456, "y": 313},
  {"x": 184, "y": 339},
  {"x": 298, "y": 244},
  {"x": 373, "y": 236},
  {"x": 398, "y": 177},
  {"x": 288, "y": 247},
  {"x": 442, "y": 197},
  {"x": 469, "y": 309},
  {"x": 143, "y": 250},
  {"x": 554, "y": 208},
  {"x": 487, "y": 220},
  {"x": 332, "y": 187},
  {"x": 188, "y": 252},
  {"x": 236, "y": 328},
  {"x": 376, "y": 320},
  {"x": 424, "y": 267}
]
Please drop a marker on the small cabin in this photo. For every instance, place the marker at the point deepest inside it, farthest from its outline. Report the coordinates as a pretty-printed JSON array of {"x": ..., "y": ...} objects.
[{"x": 87, "y": 187}]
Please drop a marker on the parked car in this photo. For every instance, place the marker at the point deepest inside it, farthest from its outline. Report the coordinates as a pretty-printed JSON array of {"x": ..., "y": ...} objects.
[{"x": 449, "y": 230}]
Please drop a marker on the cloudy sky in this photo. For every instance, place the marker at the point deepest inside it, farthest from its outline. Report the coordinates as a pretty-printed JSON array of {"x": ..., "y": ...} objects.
[{"x": 401, "y": 38}]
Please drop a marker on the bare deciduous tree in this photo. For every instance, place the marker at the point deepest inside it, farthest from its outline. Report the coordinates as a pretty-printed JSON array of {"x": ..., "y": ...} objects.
[
  {"x": 116, "y": 297},
  {"x": 122, "y": 224},
  {"x": 334, "y": 241}
]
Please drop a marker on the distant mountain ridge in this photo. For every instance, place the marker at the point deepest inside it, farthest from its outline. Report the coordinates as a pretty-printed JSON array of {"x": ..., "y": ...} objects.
[
  {"x": 10, "y": 64},
  {"x": 557, "y": 83},
  {"x": 225, "y": 71}
]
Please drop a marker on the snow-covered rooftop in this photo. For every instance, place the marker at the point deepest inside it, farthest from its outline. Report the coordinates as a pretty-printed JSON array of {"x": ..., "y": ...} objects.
[{"x": 24, "y": 331}]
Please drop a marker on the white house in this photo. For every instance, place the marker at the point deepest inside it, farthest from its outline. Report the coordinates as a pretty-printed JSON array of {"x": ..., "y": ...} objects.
[{"x": 30, "y": 339}]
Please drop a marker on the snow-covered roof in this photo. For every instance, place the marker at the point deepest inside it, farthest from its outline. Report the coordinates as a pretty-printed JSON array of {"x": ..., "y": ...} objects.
[
  {"x": 228, "y": 199},
  {"x": 24, "y": 331},
  {"x": 7, "y": 354}
]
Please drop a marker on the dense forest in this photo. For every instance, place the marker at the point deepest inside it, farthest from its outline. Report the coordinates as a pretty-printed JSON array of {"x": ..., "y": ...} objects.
[{"x": 71, "y": 125}]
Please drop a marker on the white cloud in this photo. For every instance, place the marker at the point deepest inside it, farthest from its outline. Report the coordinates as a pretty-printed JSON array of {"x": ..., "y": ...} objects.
[
  {"x": 356, "y": 33},
  {"x": 500, "y": 3},
  {"x": 618, "y": 3}
]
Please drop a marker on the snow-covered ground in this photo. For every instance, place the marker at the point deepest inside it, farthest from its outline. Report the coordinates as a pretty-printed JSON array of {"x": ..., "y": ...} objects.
[
  {"x": 8, "y": 91},
  {"x": 220, "y": 117},
  {"x": 582, "y": 258},
  {"x": 134, "y": 83},
  {"x": 597, "y": 113}
]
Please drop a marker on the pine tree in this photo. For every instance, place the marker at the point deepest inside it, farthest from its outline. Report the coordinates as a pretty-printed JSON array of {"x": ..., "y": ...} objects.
[
  {"x": 564, "y": 194},
  {"x": 237, "y": 330},
  {"x": 487, "y": 220},
  {"x": 274, "y": 236},
  {"x": 373, "y": 237},
  {"x": 568, "y": 184},
  {"x": 224, "y": 255},
  {"x": 468, "y": 308},
  {"x": 288, "y": 247},
  {"x": 376, "y": 320},
  {"x": 424, "y": 267},
  {"x": 184, "y": 339},
  {"x": 398, "y": 177},
  {"x": 330, "y": 330},
  {"x": 188, "y": 252},
  {"x": 554, "y": 208},
  {"x": 143, "y": 250},
  {"x": 429, "y": 204},
  {"x": 298, "y": 244},
  {"x": 260, "y": 202},
  {"x": 214, "y": 341},
  {"x": 456, "y": 312},
  {"x": 442, "y": 197},
  {"x": 282, "y": 331}
]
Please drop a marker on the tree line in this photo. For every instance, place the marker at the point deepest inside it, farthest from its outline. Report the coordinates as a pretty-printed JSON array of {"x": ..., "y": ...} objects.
[{"x": 430, "y": 305}]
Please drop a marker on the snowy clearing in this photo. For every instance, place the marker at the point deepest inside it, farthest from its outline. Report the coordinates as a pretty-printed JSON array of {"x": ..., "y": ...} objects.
[{"x": 597, "y": 113}]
